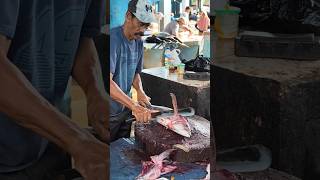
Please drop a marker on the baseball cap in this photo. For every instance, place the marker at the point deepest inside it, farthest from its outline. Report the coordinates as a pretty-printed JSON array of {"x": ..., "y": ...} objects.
[{"x": 142, "y": 10}]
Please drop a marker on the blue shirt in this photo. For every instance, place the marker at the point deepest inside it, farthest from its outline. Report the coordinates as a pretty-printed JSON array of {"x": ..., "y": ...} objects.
[
  {"x": 125, "y": 61},
  {"x": 45, "y": 36}
]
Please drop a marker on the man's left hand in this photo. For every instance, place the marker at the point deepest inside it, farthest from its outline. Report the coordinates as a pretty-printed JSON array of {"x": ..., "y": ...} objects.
[
  {"x": 98, "y": 115},
  {"x": 143, "y": 99}
]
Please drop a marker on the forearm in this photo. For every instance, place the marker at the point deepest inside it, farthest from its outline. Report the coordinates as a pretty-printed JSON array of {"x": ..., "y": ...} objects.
[
  {"x": 118, "y": 95},
  {"x": 87, "y": 71},
  {"x": 20, "y": 101},
  {"x": 137, "y": 83}
]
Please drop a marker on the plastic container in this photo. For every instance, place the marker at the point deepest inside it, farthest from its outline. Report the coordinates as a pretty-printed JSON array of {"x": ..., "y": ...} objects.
[
  {"x": 153, "y": 58},
  {"x": 181, "y": 68},
  {"x": 227, "y": 22}
]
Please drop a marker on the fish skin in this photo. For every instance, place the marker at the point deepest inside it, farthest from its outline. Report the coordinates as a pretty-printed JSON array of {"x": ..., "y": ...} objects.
[
  {"x": 153, "y": 169},
  {"x": 176, "y": 123}
]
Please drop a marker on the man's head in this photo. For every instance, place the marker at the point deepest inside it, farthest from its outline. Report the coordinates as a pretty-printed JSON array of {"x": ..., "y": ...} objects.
[
  {"x": 182, "y": 21},
  {"x": 188, "y": 9},
  {"x": 138, "y": 18}
]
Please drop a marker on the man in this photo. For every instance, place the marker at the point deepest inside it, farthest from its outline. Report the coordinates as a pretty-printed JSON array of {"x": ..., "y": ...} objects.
[
  {"x": 126, "y": 54},
  {"x": 173, "y": 27},
  {"x": 186, "y": 13},
  {"x": 42, "y": 44}
]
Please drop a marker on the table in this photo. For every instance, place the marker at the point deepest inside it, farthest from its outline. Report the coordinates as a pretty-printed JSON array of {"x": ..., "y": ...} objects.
[
  {"x": 154, "y": 57},
  {"x": 158, "y": 84},
  {"x": 126, "y": 158},
  {"x": 274, "y": 102}
]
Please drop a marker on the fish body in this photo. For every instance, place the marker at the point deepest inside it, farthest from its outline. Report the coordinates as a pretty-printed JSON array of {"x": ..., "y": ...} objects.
[
  {"x": 153, "y": 169},
  {"x": 176, "y": 123}
]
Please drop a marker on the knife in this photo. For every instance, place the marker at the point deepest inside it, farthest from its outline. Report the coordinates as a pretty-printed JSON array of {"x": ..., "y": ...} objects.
[{"x": 189, "y": 111}]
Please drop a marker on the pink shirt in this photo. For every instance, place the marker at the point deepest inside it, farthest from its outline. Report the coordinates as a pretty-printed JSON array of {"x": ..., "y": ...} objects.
[{"x": 203, "y": 23}]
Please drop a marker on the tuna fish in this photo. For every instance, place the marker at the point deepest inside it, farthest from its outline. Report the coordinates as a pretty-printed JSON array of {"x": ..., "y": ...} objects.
[
  {"x": 153, "y": 169},
  {"x": 176, "y": 123}
]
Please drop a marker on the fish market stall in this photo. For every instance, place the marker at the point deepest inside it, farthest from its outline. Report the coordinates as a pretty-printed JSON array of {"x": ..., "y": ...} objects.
[
  {"x": 195, "y": 45},
  {"x": 177, "y": 141},
  {"x": 158, "y": 83}
]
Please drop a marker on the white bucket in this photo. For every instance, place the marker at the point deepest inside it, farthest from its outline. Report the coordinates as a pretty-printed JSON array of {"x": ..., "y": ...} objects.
[{"x": 227, "y": 22}]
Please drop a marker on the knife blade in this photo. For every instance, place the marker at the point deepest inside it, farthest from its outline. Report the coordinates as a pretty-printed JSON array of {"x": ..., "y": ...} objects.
[{"x": 189, "y": 111}]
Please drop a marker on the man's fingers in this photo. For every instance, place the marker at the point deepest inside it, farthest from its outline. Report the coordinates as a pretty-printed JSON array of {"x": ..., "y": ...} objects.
[
  {"x": 146, "y": 116},
  {"x": 149, "y": 115},
  {"x": 142, "y": 103}
]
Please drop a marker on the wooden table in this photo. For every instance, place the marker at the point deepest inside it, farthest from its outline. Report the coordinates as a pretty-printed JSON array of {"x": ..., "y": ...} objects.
[
  {"x": 158, "y": 84},
  {"x": 274, "y": 102}
]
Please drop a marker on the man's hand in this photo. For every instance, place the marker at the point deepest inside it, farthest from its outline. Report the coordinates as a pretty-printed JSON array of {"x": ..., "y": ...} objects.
[
  {"x": 141, "y": 113},
  {"x": 91, "y": 158},
  {"x": 143, "y": 99},
  {"x": 98, "y": 115}
]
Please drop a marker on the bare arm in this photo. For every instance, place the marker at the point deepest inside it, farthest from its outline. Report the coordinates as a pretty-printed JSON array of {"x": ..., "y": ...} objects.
[
  {"x": 186, "y": 28},
  {"x": 34, "y": 112},
  {"x": 87, "y": 72},
  {"x": 143, "y": 99},
  {"x": 137, "y": 84},
  {"x": 31, "y": 108},
  {"x": 117, "y": 94},
  {"x": 142, "y": 114}
]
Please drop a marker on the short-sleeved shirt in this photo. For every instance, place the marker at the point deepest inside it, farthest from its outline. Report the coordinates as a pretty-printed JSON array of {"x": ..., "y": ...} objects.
[
  {"x": 172, "y": 28},
  {"x": 44, "y": 39},
  {"x": 125, "y": 61}
]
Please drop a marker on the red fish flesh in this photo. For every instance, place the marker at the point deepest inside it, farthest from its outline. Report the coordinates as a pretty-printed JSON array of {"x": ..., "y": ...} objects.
[{"x": 153, "y": 169}]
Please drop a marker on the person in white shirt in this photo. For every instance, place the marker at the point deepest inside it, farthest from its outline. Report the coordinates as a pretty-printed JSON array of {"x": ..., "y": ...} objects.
[{"x": 173, "y": 27}]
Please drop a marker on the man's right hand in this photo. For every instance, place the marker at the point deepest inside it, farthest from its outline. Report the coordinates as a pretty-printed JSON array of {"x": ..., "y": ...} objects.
[
  {"x": 141, "y": 113},
  {"x": 91, "y": 158}
]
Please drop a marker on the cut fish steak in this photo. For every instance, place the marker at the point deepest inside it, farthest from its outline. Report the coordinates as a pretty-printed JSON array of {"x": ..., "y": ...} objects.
[
  {"x": 153, "y": 169},
  {"x": 176, "y": 123}
]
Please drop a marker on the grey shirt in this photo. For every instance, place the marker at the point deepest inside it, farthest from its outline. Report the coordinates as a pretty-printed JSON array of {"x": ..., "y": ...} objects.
[
  {"x": 126, "y": 60},
  {"x": 45, "y": 36},
  {"x": 172, "y": 28}
]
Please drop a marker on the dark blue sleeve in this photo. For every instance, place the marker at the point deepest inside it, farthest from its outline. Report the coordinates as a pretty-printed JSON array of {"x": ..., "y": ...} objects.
[
  {"x": 95, "y": 18},
  {"x": 140, "y": 62},
  {"x": 9, "y": 11},
  {"x": 113, "y": 53}
]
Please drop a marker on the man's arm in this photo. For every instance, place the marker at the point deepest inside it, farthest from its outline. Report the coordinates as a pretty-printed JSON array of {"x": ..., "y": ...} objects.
[
  {"x": 186, "y": 28},
  {"x": 87, "y": 72},
  {"x": 137, "y": 84},
  {"x": 118, "y": 95},
  {"x": 143, "y": 99},
  {"x": 21, "y": 101},
  {"x": 141, "y": 114}
]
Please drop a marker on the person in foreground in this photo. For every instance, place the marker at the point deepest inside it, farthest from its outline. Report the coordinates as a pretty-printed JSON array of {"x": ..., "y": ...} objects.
[
  {"x": 42, "y": 45},
  {"x": 126, "y": 61}
]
